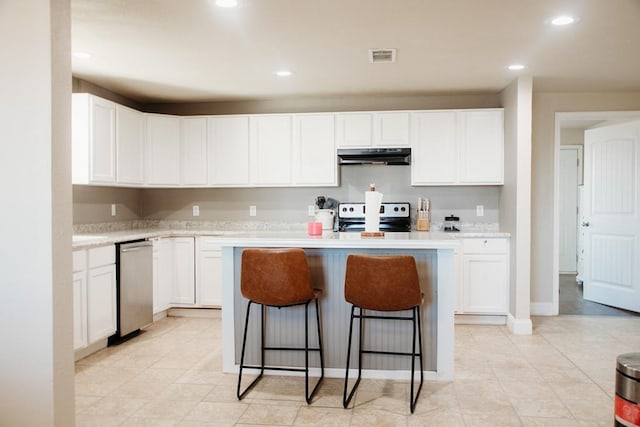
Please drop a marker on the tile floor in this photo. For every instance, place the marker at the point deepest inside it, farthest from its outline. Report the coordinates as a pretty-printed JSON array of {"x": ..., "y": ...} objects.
[{"x": 562, "y": 375}]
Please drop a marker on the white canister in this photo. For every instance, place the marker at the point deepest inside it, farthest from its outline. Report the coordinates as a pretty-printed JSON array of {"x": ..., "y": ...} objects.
[{"x": 326, "y": 217}]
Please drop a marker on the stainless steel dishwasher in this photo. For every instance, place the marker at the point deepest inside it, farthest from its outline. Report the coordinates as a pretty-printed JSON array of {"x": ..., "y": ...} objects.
[{"x": 134, "y": 261}]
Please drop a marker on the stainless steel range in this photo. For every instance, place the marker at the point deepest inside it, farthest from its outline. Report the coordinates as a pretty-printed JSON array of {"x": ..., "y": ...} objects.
[{"x": 393, "y": 217}]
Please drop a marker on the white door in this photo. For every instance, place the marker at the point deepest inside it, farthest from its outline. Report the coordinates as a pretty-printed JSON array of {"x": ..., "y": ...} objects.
[
  {"x": 129, "y": 146},
  {"x": 314, "y": 150},
  {"x": 569, "y": 175},
  {"x": 354, "y": 130},
  {"x": 228, "y": 150},
  {"x": 163, "y": 150},
  {"x": 193, "y": 161},
  {"x": 433, "y": 136},
  {"x": 271, "y": 144},
  {"x": 101, "y": 302},
  {"x": 612, "y": 220},
  {"x": 391, "y": 129},
  {"x": 184, "y": 270}
]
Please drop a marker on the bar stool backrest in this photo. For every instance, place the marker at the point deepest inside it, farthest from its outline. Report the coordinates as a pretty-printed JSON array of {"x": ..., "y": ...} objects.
[
  {"x": 276, "y": 277},
  {"x": 382, "y": 282}
]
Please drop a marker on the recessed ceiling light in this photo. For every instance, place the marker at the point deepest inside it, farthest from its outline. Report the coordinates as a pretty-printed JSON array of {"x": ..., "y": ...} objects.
[
  {"x": 560, "y": 21},
  {"x": 516, "y": 67},
  {"x": 81, "y": 55},
  {"x": 226, "y": 3},
  {"x": 283, "y": 73}
]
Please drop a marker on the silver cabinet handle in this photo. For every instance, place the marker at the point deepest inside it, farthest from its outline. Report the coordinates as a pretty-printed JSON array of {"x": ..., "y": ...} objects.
[{"x": 585, "y": 223}]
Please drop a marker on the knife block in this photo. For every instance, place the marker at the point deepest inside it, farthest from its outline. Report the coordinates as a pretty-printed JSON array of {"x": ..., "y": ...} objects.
[{"x": 422, "y": 223}]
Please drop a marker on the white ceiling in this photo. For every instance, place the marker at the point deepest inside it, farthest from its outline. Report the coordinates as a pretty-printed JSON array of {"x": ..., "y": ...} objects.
[{"x": 190, "y": 50}]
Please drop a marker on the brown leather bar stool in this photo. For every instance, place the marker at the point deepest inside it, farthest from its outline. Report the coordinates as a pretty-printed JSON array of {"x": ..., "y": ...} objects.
[
  {"x": 278, "y": 278},
  {"x": 383, "y": 283}
]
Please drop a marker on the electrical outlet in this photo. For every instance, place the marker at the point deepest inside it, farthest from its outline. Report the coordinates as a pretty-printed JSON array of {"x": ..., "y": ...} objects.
[
  {"x": 311, "y": 210},
  {"x": 480, "y": 210},
  {"x": 196, "y": 210},
  {"x": 113, "y": 209},
  {"x": 252, "y": 210}
]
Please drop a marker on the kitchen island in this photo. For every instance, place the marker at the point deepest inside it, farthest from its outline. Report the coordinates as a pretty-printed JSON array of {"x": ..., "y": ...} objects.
[{"x": 327, "y": 254}]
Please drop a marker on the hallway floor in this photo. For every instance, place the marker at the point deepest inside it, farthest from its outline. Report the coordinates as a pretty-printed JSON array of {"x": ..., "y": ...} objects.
[
  {"x": 572, "y": 302},
  {"x": 562, "y": 375}
]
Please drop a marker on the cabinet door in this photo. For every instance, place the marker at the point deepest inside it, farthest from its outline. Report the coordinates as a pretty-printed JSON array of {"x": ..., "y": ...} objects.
[
  {"x": 102, "y": 141},
  {"x": 163, "y": 150},
  {"x": 228, "y": 144},
  {"x": 391, "y": 129},
  {"x": 193, "y": 162},
  {"x": 433, "y": 149},
  {"x": 354, "y": 130},
  {"x": 209, "y": 274},
  {"x": 129, "y": 146},
  {"x": 184, "y": 271},
  {"x": 314, "y": 161},
  {"x": 163, "y": 273},
  {"x": 79, "y": 309},
  {"x": 270, "y": 139},
  {"x": 101, "y": 302},
  {"x": 481, "y": 147},
  {"x": 485, "y": 284}
]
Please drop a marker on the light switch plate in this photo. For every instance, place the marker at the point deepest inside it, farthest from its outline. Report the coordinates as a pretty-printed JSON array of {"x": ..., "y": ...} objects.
[
  {"x": 480, "y": 210},
  {"x": 252, "y": 210},
  {"x": 311, "y": 210},
  {"x": 196, "y": 210},
  {"x": 113, "y": 209}
]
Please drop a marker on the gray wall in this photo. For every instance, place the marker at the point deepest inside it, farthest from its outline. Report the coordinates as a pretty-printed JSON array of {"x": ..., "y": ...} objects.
[
  {"x": 92, "y": 204},
  {"x": 290, "y": 204}
]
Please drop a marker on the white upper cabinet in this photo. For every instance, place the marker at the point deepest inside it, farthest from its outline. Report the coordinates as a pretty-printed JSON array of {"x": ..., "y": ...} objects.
[
  {"x": 163, "y": 150},
  {"x": 129, "y": 146},
  {"x": 433, "y": 152},
  {"x": 228, "y": 151},
  {"x": 457, "y": 147},
  {"x": 384, "y": 129},
  {"x": 93, "y": 140},
  {"x": 314, "y": 152},
  {"x": 271, "y": 145},
  {"x": 354, "y": 130},
  {"x": 193, "y": 160},
  {"x": 481, "y": 147},
  {"x": 391, "y": 129}
]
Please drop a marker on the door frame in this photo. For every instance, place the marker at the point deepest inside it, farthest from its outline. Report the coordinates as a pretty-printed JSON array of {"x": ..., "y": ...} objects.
[
  {"x": 559, "y": 118},
  {"x": 580, "y": 153}
]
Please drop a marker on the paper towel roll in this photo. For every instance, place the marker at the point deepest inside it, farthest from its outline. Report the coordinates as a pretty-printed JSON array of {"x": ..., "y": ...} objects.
[{"x": 372, "y": 202}]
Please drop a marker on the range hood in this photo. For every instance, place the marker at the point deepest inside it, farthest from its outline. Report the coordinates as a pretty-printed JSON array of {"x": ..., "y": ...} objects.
[{"x": 374, "y": 156}]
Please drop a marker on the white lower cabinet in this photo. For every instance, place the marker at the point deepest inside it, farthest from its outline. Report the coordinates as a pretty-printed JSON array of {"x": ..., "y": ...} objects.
[
  {"x": 187, "y": 272},
  {"x": 183, "y": 271},
  {"x": 485, "y": 272},
  {"x": 208, "y": 272},
  {"x": 94, "y": 295}
]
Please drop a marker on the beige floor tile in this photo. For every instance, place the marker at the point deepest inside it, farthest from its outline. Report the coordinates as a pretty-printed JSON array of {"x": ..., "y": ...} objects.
[
  {"x": 548, "y": 422},
  {"x": 269, "y": 414},
  {"x": 186, "y": 392},
  {"x": 166, "y": 409},
  {"x": 150, "y": 422},
  {"x": 223, "y": 393},
  {"x": 487, "y": 420},
  {"x": 140, "y": 389},
  {"x": 201, "y": 377},
  {"x": 440, "y": 417},
  {"x": 98, "y": 420},
  {"x": 377, "y": 417},
  {"x": 589, "y": 410},
  {"x": 220, "y": 412},
  {"x": 314, "y": 416},
  {"x": 580, "y": 391},
  {"x": 528, "y": 390},
  {"x": 83, "y": 402},
  {"x": 115, "y": 406},
  {"x": 551, "y": 408}
]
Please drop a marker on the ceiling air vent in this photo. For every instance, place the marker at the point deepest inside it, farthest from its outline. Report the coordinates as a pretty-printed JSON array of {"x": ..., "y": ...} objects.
[{"x": 382, "y": 55}]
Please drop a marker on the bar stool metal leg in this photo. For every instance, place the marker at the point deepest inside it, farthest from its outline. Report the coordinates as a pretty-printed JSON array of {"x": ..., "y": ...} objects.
[
  {"x": 346, "y": 399},
  {"x": 416, "y": 313},
  {"x": 308, "y": 396},
  {"x": 242, "y": 394}
]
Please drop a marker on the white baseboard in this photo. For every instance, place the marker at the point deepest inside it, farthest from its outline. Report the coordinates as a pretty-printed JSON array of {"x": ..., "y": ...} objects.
[
  {"x": 519, "y": 326},
  {"x": 542, "y": 309},
  {"x": 471, "y": 319},
  {"x": 213, "y": 313}
]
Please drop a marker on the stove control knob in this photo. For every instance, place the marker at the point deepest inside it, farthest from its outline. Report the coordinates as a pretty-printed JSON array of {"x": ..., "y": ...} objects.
[
  {"x": 350, "y": 209},
  {"x": 403, "y": 209},
  {"x": 344, "y": 209}
]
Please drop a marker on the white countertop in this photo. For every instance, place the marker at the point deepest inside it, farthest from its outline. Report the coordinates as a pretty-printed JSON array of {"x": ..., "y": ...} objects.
[{"x": 404, "y": 240}]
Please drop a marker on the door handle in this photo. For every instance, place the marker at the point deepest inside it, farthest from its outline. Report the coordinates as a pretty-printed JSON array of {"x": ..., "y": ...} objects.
[{"x": 585, "y": 223}]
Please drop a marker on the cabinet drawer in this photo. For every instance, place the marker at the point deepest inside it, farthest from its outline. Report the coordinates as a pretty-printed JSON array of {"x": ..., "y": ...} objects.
[
  {"x": 485, "y": 246},
  {"x": 79, "y": 260},
  {"x": 103, "y": 255}
]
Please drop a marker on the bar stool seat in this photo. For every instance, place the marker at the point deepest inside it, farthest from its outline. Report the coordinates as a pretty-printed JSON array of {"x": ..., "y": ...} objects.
[
  {"x": 278, "y": 278},
  {"x": 383, "y": 283}
]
